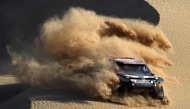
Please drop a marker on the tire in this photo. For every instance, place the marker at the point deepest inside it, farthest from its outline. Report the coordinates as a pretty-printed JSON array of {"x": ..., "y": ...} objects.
[
  {"x": 122, "y": 90},
  {"x": 159, "y": 92}
]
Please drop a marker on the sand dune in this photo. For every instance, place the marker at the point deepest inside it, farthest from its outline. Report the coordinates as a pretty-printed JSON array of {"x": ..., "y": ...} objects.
[
  {"x": 21, "y": 20},
  {"x": 174, "y": 22}
]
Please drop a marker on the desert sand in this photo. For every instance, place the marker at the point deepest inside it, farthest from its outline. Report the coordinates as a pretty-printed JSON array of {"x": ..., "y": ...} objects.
[{"x": 174, "y": 22}]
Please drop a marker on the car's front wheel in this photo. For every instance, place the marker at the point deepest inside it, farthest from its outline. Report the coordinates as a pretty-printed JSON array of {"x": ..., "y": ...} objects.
[
  {"x": 159, "y": 92},
  {"x": 122, "y": 89}
]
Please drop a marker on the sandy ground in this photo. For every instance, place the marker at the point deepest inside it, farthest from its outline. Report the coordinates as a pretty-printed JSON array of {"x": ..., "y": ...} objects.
[
  {"x": 7, "y": 79},
  {"x": 174, "y": 22}
]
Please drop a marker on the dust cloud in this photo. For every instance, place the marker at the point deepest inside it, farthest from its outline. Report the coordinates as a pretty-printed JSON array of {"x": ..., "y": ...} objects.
[{"x": 71, "y": 53}]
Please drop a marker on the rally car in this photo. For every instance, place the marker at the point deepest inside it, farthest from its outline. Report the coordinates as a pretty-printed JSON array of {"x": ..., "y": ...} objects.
[{"x": 135, "y": 76}]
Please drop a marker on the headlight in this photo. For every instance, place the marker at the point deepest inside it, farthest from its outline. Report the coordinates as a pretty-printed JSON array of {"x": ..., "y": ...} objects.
[{"x": 133, "y": 84}]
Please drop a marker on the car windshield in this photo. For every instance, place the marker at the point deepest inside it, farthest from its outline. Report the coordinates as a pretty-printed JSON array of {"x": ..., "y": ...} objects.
[{"x": 131, "y": 69}]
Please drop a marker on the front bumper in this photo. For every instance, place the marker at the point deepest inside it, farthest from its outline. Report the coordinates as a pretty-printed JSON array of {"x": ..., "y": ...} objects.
[{"x": 147, "y": 84}]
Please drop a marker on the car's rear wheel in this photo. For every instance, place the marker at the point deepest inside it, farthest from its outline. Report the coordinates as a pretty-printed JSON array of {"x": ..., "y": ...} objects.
[{"x": 159, "y": 92}]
